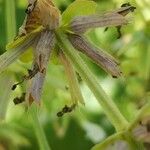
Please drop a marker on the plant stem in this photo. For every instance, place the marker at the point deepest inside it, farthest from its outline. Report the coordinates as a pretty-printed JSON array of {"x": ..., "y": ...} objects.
[
  {"x": 103, "y": 145},
  {"x": 133, "y": 144},
  {"x": 139, "y": 115},
  {"x": 74, "y": 87},
  {"x": 10, "y": 19},
  {"x": 10, "y": 22},
  {"x": 109, "y": 107},
  {"x": 43, "y": 144},
  {"x": 6, "y": 81}
]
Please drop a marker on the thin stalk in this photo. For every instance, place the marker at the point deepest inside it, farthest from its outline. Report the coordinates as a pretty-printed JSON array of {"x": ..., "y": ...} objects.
[
  {"x": 109, "y": 107},
  {"x": 147, "y": 71},
  {"x": 10, "y": 19},
  {"x": 7, "y": 77},
  {"x": 43, "y": 144},
  {"x": 133, "y": 144},
  {"x": 74, "y": 87},
  {"x": 103, "y": 145},
  {"x": 5, "y": 80},
  {"x": 139, "y": 116}
]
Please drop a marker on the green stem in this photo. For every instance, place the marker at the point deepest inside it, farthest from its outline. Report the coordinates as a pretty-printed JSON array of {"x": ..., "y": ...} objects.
[
  {"x": 133, "y": 144},
  {"x": 74, "y": 87},
  {"x": 109, "y": 107},
  {"x": 10, "y": 22},
  {"x": 43, "y": 144},
  {"x": 6, "y": 81},
  {"x": 139, "y": 116},
  {"x": 10, "y": 19},
  {"x": 103, "y": 145}
]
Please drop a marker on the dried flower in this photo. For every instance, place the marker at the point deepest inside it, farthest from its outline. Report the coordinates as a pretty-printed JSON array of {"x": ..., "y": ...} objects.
[{"x": 39, "y": 30}]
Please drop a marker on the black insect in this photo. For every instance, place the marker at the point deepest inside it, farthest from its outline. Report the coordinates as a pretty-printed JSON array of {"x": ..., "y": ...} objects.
[
  {"x": 31, "y": 74},
  {"x": 19, "y": 100},
  {"x": 66, "y": 109},
  {"x": 123, "y": 12},
  {"x": 125, "y": 5},
  {"x": 30, "y": 7}
]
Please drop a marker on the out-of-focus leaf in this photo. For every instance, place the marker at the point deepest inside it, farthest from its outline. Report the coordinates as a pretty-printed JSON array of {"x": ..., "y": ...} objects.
[
  {"x": 10, "y": 19},
  {"x": 27, "y": 56},
  {"x": 78, "y": 8},
  {"x": 5, "y": 80},
  {"x": 10, "y": 133}
]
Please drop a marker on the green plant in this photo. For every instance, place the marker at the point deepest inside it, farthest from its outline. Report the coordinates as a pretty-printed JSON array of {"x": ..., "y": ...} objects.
[{"x": 68, "y": 37}]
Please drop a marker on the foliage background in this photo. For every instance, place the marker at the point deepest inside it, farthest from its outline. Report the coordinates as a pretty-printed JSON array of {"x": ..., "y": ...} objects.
[{"x": 86, "y": 125}]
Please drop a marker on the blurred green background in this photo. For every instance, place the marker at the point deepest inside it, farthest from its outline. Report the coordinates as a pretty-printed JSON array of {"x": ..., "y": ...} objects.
[{"x": 87, "y": 125}]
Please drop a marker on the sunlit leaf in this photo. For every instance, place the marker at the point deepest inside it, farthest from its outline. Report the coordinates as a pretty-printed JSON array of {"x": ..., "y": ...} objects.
[
  {"x": 78, "y": 8},
  {"x": 27, "y": 56}
]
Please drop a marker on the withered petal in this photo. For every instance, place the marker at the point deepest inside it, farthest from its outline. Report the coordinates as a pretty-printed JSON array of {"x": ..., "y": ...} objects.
[
  {"x": 124, "y": 10},
  {"x": 103, "y": 59},
  {"x": 43, "y": 48},
  {"x": 74, "y": 87},
  {"x": 10, "y": 56},
  {"x": 34, "y": 91},
  {"x": 83, "y": 23},
  {"x": 42, "y": 55},
  {"x": 112, "y": 18}
]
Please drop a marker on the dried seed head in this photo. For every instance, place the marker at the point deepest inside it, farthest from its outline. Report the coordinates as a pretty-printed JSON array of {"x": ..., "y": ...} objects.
[{"x": 40, "y": 13}]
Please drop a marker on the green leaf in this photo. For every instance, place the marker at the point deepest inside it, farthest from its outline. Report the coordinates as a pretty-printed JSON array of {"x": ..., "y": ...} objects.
[
  {"x": 10, "y": 19},
  {"x": 27, "y": 56},
  {"x": 78, "y": 8}
]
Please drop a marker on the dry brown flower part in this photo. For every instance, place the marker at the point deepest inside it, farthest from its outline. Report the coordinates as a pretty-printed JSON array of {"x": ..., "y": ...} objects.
[
  {"x": 42, "y": 12},
  {"x": 83, "y": 23},
  {"x": 103, "y": 59},
  {"x": 42, "y": 53},
  {"x": 112, "y": 18}
]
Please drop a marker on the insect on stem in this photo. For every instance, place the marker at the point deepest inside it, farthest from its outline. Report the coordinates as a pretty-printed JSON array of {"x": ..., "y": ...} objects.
[
  {"x": 19, "y": 100},
  {"x": 66, "y": 109},
  {"x": 31, "y": 7},
  {"x": 31, "y": 74}
]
